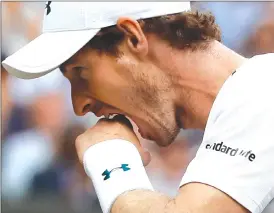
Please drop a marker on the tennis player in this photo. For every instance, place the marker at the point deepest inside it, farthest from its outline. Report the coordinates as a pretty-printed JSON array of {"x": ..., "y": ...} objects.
[{"x": 164, "y": 67}]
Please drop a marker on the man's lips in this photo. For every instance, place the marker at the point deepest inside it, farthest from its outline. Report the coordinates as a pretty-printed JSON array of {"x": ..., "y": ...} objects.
[
  {"x": 97, "y": 109},
  {"x": 144, "y": 134},
  {"x": 141, "y": 133}
]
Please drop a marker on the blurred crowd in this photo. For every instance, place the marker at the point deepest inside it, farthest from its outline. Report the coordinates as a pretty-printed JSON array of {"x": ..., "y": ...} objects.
[{"x": 40, "y": 169}]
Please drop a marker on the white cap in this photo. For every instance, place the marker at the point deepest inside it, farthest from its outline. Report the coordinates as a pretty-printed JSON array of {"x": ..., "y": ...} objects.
[{"x": 68, "y": 26}]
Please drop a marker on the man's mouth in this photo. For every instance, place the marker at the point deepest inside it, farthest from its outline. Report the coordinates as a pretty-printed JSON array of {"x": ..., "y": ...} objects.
[
  {"x": 124, "y": 120},
  {"x": 110, "y": 112},
  {"x": 142, "y": 133},
  {"x": 111, "y": 115}
]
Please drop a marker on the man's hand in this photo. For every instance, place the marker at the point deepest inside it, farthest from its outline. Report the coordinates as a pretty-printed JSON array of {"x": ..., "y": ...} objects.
[
  {"x": 194, "y": 197},
  {"x": 107, "y": 129}
]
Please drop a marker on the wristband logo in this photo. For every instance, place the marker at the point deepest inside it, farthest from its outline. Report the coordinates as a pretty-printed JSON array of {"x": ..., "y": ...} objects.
[
  {"x": 48, "y": 7},
  {"x": 106, "y": 173}
]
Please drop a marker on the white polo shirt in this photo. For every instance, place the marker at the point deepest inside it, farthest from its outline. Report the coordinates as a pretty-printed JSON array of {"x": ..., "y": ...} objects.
[{"x": 237, "y": 152}]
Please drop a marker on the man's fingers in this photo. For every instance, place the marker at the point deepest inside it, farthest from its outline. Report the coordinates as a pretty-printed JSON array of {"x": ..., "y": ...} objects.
[
  {"x": 103, "y": 120},
  {"x": 118, "y": 127}
]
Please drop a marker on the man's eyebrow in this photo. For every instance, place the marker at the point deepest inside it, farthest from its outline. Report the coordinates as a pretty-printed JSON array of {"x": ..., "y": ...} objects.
[
  {"x": 63, "y": 66},
  {"x": 62, "y": 69}
]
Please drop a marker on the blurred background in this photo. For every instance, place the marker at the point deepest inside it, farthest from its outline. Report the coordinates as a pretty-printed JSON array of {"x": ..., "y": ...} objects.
[{"x": 40, "y": 171}]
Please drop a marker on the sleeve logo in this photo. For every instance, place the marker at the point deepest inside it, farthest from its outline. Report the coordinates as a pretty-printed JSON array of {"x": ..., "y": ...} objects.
[
  {"x": 221, "y": 147},
  {"x": 106, "y": 173}
]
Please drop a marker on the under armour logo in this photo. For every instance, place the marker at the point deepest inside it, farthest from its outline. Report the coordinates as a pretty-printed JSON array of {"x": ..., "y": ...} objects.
[
  {"x": 48, "y": 7},
  {"x": 107, "y": 173}
]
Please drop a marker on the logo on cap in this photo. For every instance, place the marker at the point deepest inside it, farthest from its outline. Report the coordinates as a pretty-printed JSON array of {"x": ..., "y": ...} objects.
[
  {"x": 106, "y": 173},
  {"x": 48, "y": 7}
]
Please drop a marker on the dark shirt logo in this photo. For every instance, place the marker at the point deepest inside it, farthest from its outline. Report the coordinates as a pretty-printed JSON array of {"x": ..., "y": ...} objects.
[
  {"x": 106, "y": 173},
  {"x": 221, "y": 147},
  {"x": 48, "y": 7}
]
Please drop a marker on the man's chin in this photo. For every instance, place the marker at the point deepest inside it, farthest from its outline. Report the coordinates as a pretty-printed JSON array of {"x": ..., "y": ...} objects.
[
  {"x": 170, "y": 138},
  {"x": 164, "y": 141},
  {"x": 161, "y": 136}
]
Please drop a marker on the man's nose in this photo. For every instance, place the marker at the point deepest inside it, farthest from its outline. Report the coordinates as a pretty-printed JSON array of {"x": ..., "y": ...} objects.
[
  {"x": 82, "y": 105},
  {"x": 83, "y": 102}
]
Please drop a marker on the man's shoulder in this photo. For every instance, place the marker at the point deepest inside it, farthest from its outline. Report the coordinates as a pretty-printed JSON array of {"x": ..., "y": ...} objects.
[
  {"x": 259, "y": 65},
  {"x": 250, "y": 83},
  {"x": 267, "y": 57},
  {"x": 237, "y": 150}
]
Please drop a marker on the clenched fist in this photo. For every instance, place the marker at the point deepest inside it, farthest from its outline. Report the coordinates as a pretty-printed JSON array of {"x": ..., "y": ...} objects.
[{"x": 106, "y": 129}]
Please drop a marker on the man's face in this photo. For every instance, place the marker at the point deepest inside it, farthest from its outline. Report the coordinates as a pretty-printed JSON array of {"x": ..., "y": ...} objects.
[{"x": 105, "y": 84}]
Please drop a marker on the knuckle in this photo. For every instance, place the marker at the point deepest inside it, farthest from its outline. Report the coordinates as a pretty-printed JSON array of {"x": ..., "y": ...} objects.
[
  {"x": 79, "y": 139},
  {"x": 77, "y": 148},
  {"x": 103, "y": 120}
]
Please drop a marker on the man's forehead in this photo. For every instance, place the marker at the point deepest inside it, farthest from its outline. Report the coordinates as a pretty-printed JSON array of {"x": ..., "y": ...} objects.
[
  {"x": 75, "y": 58},
  {"x": 70, "y": 61},
  {"x": 79, "y": 57}
]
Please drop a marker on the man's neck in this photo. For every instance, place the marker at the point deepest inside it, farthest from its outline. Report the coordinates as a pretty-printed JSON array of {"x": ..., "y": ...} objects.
[{"x": 198, "y": 78}]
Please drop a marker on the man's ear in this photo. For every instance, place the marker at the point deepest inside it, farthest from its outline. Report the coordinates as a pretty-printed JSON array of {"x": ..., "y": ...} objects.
[{"x": 135, "y": 36}]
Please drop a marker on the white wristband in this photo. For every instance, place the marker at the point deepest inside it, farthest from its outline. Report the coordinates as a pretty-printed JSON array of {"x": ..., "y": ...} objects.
[{"x": 115, "y": 166}]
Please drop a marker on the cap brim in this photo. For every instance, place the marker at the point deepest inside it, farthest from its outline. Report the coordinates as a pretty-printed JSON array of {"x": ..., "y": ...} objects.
[{"x": 46, "y": 53}]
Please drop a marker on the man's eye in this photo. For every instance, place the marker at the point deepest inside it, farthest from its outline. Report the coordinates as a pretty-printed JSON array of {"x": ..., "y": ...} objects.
[{"x": 78, "y": 71}]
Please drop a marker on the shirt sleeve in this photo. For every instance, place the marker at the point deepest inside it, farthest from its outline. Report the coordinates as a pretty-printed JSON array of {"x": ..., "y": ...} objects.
[{"x": 237, "y": 152}]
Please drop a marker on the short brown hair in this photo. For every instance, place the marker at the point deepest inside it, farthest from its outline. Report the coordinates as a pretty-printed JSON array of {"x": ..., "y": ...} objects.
[{"x": 192, "y": 30}]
